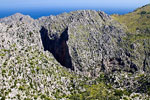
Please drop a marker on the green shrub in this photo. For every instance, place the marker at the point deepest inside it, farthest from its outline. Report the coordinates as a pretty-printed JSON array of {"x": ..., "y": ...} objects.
[
  {"x": 21, "y": 88},
  {"x": 148, "y": 12},
  {"x": 30, "y": 33},
  {"x": 2, "y": 54},
  {"x": 143, "y": 12},
  {"x": 95, "y": 92},
  {"x": 118, "y": 92},
  {"x": 3, "y": 98}
]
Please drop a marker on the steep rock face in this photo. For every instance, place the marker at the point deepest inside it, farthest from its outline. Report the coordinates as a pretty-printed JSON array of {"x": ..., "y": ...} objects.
[
  {"x": 85, "y": 41},
  {"x": 93, "y": 42},
  {"x": 26, "y": 70},
  {"x": 137, "y": 43},
  {"x": 58, "y": 47},
  {"x": 137, "y": 47}
]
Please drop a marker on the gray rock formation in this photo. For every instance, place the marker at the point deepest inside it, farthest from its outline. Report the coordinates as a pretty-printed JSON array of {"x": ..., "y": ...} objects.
[
  {"x": 88, "y": 42},
  {"x": 94, "y": 39},
  {"x": 85, "y": 41}
]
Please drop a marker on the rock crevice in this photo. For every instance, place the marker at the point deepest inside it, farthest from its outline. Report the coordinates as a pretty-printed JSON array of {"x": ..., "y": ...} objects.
[{"x": 58, "y": 47}]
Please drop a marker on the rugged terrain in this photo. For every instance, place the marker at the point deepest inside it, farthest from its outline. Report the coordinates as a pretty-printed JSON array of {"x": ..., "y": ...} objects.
[
  {"x": 136, "y": 21},
  {"x": 138, "y": 31},
  {"x": 81, "y": 55}
]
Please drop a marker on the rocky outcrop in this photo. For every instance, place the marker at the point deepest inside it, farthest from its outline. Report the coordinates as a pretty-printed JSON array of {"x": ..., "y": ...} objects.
[
  {"x": 86, "y": 41},
  {"x": 94, "y": 41}
]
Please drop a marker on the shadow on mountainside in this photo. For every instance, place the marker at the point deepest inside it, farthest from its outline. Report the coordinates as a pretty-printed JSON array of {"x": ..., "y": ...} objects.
[{"x": 58, "y": 47}]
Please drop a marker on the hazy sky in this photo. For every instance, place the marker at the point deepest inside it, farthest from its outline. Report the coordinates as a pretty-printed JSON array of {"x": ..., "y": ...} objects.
[{"x": 10, "y": 4}]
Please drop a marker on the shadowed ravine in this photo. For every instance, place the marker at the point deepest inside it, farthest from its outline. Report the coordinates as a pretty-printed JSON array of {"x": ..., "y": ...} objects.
[{"x": 58, "y": 47}]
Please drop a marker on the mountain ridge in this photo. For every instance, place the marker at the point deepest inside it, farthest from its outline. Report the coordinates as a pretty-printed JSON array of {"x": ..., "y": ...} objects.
[
  {"x": 137, "y": 24},
  {"x": 102, "y": 61}
]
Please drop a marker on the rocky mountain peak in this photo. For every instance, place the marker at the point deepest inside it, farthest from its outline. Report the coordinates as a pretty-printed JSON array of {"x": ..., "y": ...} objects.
[
  {"x": 18, "y": 15},
  {"x": 16, "y": 18},
  {"x": 93, "y": 41}
]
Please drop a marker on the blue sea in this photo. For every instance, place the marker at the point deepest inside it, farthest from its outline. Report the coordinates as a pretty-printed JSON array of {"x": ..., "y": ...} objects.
[{"x": 37, "y": 13}]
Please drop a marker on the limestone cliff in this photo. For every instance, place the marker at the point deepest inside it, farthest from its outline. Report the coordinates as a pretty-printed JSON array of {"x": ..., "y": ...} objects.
[
  {"x": 78, "y": 55},
  {"x": 94, "y": 41}
]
